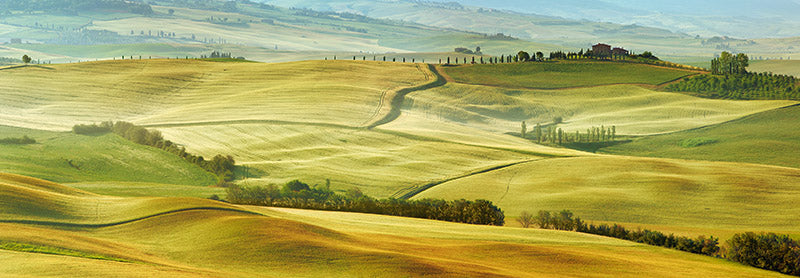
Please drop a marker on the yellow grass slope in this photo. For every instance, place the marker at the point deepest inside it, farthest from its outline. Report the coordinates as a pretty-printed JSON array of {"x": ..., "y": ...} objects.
[
  {"x": 179, "y": 91},
  {"x": 378, "y": 163},
  {"x": 632, "y": 109},
  {"x": 689, "y": 194},
  {"x": 283, "y": 242}
]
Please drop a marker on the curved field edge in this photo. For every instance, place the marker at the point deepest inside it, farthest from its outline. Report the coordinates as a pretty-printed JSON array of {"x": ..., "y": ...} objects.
[
  {"x": 148, "y": 92},
  {"x": 564, "y": 74},
  {"x": 258, "y": 242},
  {"x": 771, "y": 137},
  {"x": 68, "y": 157},
  {"x": 648, "y": 191},
  {"x": 632, "y": 109}
]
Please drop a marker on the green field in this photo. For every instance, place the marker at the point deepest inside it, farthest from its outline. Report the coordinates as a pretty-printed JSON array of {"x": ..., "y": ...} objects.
[
  {"x": 67, "y": 157},
  {"x": 173, "y": 237},
  {"x": 766, "y": 138},
  {"x": 563, "y": 74}
]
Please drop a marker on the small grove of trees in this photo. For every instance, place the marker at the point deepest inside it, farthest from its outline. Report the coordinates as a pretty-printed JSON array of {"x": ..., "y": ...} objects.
[
  {"x": 766, "y": 251},
  {"x": 220, "y": 165},
  {"x": 565, "y": 220},
  {"x": 746, "y": 86},
  {"x": 555, "y": 135},
  {"x": 217, "y": 54},
  {"x": 26, "y": 59},
  {"x": 24, "y": 140},
  {"x": 296, "y": 194},
  {"x": 728, "y": 63}
]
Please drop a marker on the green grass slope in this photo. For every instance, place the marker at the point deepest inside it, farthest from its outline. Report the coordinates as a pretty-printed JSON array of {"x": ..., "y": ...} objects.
[
  {"x": 67, "y": 157},
  {"x": 770, "y": 137},
  {"x": 689, "y": 194},
  {"x": 211, "y": 239},
  {"x": 563, "y": 74}
]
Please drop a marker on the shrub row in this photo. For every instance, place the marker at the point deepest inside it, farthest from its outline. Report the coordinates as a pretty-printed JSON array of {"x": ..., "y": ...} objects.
[
  {"x": 221, "y": 166},
  {"x": 564, "y": 220},
  {"x": 746, "y": 86},
  {"x": 24, "y": 140},
  {"x": 296, "y": 194},
  {"x": 766, "y": 250}
]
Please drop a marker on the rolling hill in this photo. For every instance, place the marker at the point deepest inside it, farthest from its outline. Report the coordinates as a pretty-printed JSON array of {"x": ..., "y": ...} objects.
[
  {"x": 764, "y": 138},
  {"x": 338, "y": 121},
  {"x": 67, "y": 157},
  {"x": 787, "y": 67},
  {"x": 200, "y": 238}
]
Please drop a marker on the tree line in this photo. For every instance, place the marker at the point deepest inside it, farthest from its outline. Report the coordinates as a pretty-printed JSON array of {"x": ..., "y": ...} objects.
[
  {"x": 766, "y": 250},
  {"x": 220, "y": 165},
  {"x": 565, "y": 221},
  {"x": 296, "y": 194},
  {"x": 24, "y": 140},
  {"x": 555, "y": 135},
  {"x": 744, "y": 86}
]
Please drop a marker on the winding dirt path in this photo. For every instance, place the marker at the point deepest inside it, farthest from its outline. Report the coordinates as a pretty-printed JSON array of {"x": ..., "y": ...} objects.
[{"x": 434, "y": 80}]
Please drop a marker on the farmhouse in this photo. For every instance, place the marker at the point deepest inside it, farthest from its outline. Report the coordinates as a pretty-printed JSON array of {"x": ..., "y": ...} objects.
[
  {"x": 619, "y": 51},
  {"x": 601, "y": 49}
]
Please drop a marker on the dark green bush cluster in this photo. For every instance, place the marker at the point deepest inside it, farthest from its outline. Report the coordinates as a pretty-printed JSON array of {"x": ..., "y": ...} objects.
[
  {"x": 767, "y": 251},
  {"x": 296, "y": 194},
  {"x": 564, "y": 220},
  {"x": 93, "y": 129},
  {"x": 748, "y": 86},
  {"x": 24, "y": 140},
  {"x": 221, "y": 166}
]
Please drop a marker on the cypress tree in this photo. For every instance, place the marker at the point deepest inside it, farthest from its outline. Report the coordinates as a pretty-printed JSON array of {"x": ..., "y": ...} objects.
[
  {"x": 524, "y": 129},
  {"x": 538, "y": 131},
  {"x": 613, "y": 133}
]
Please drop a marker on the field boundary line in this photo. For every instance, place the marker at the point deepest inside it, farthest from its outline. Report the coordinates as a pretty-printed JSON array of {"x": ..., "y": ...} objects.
[
  {"x": 105, "y": 225},
  {"x": 410, "y": 192}
]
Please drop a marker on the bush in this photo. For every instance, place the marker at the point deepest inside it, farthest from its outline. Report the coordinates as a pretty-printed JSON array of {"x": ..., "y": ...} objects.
[
  {"x": 696, "y": 142},
  {"x": 93, "y": 129}
]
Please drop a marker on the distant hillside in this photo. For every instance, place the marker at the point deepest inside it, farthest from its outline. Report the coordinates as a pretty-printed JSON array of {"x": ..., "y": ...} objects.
[{"x": 75, "y": 6}]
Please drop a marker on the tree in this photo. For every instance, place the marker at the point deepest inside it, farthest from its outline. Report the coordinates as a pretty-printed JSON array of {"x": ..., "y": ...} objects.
[
  {"x": 523, "y": 56},
  {"x": 544, "y": 219},
  {"x": 538, "y": 131},
  {"x": 26, "y": 59},
  {"x": 524, "y": 129},
  {"x": 539, "y": 56},
  {"x": 478, "y": 50},
  {"x": 525, "y": 219}
]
